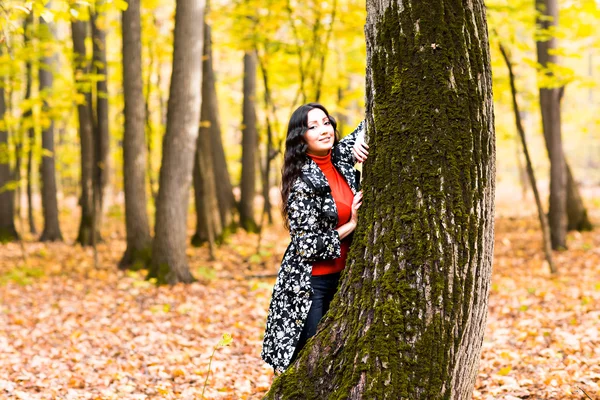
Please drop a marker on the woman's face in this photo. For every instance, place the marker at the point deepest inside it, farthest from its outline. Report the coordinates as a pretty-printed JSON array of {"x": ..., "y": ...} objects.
[{"x": 319, "y": 136}]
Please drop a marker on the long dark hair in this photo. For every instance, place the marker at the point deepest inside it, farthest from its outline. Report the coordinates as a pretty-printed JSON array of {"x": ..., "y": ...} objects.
[{"x": 295, "y": 150}]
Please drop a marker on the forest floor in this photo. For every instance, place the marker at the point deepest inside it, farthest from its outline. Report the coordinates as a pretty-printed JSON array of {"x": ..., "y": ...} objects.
[{"x": 72, "y": 330}]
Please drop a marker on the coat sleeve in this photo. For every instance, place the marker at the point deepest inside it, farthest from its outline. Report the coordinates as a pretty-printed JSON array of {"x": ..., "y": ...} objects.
[
  {"x": 344, "y": 147},
  {"x": 312, "y": 243}
]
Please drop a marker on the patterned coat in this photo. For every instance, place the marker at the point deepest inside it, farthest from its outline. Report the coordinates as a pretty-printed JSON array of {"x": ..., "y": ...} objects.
[{"x": 312, "y": 218}]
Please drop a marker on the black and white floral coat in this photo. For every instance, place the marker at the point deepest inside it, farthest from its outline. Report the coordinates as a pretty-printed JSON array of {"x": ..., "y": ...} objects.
[{"x": 312, "y": 218}]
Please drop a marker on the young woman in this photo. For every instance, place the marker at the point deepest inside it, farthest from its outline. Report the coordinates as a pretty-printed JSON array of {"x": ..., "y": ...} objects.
[{"x": 320, "y": 204}]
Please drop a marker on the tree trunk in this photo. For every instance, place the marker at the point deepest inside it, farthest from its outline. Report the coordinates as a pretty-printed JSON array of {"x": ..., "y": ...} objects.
[
  {"x": 577, "y": 216},
  {"x": 51, "y": 230},
  {"x": 551, "y": 124},
  {"x": 28, "y": 122},
  {"x": 134, "y": 146},
  {"x": 225, "y": 196},
  {"x": 8, "y": 232},
  {"x": 208, "y": 218},
  {"x": 546, "y": 242},
  {"x": 224, "y": 188},
  {"x": 86, "y": 134},
  {"x": 101, "y": 129},
  {"x": 169, "y": 264},
  {"x": 249, "y": 145},
  {"x": 409, "y": 317}
]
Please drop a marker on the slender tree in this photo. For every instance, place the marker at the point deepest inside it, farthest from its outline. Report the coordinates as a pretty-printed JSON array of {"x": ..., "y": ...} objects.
[
  {"x": 208, "y": 219},
  {"x": 79, "y": 32},
  {"x": 547, "y": 245},
  {"x": 249, "y": 145},
  {"x": 8, "y": 231},
  {"x": 100, "y": 107},
  {"x": 28, "y": 123},
  {"x": 134, "y": 146},
  {"x": 409, "y": 317},
  {"x": 169, "y": 264},
  {"x": 51, "y": 230}
]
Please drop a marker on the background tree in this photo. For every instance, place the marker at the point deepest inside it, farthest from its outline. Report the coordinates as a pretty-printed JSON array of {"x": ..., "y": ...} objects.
[
  {"x": 7, "y": 193},
  {"x": 48, "y": 64},
  {"x": 100, "y": 109},
  {"x": 79, "y": 32},
  {"x": 409, "y": 317},
  {"x": 249, "y": 145},
  {"x": 169, "y": 262},
  {"x": 28, "y": 123},
  {"x": 209, "y": 226},
  {"x": 134, "y": 145},
  {"x": 550, "y": 98}
]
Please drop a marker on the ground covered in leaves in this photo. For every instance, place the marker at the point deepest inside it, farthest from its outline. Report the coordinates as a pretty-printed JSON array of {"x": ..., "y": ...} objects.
[{"x": 73, "y": 330}]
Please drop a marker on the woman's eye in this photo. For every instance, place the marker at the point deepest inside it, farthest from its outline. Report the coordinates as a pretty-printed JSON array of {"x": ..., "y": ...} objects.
[
  {"x": 327, "y": 123},
  {"x": 311, "y": 127}
]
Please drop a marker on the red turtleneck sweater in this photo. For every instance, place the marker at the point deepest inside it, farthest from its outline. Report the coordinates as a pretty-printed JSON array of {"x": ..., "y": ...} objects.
[{"x": 343, "y": 196}]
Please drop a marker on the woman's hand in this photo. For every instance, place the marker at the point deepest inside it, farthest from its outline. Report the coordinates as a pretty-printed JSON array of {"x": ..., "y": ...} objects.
[
  {"x": 360, "y": 149},
  {"x": 356, "y": 203}
]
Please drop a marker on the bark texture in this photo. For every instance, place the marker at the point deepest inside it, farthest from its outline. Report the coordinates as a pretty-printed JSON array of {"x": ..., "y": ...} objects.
[
  {"x": 551, "y": 124},
  {"x": 51, "y": 230},
  {"x": 8, "y": 232},
  {"x": 139, "y": 241},
  {"x": 249, "y": 145},
  {"x": 169, "y": 263},
  {"x": 86, "y": 133},
  {"x": 208, "y": 218},
  {"x": 410, "y": 314}
]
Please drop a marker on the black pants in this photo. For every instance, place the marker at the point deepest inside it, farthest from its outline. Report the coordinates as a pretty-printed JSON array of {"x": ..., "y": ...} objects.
[{"x": 324, "y": 288}]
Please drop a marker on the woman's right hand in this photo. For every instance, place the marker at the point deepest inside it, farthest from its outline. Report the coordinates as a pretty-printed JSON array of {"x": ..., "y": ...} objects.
[{"x": 356, "y": 203}]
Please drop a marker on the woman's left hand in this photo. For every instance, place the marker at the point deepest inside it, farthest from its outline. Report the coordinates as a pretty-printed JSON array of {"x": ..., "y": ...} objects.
[{"x": 360, "y": 149}]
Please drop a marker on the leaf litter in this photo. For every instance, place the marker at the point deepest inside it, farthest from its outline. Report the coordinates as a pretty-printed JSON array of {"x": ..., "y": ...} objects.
[{"x": 71, "y": 331}]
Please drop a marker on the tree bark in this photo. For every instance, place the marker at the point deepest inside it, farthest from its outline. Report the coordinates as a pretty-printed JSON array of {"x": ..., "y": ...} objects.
[
  {"x": 169, "y": 264},
  {"x": 101, "y": 128},
  {"x": 249, "y": 145},
  {"x": 409, "y": 317},
  {"x": 86, "y": 134},
  {"x": 547, "y": 17},
  {"x": 137, "y": 254},
  {"x": 8, "y": 232},
  {"x": 51, "y": 230},
  {"x": 208, "y": 218},
  {"x": 546, "y": 242}
]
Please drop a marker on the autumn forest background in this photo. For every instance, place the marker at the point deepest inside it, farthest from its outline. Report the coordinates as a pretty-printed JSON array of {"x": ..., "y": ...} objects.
[{"x": 100, "y": 299}]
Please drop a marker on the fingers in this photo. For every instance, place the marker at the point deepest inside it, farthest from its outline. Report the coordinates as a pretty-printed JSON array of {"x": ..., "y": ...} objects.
[
  {"x": 356, "y": 203},
  {"x": 360, "y": 151}
]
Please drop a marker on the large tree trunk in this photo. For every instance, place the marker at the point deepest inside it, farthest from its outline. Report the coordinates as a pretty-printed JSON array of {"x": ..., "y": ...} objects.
[
  {"x": 208, "y": 218},
  {"x": 409, "y": 317},
  {"x": 169, "y": 264},
  {"x": 8, "y": 231},
  {"x": 134, "y": 146},
  {"x": 249, "y": 145},
  {"x": 86, "y": 134},
  {"x": 101, "y": 130},
  {"x": 51, "y": 230},
  {"x": 551, "y": 124}
]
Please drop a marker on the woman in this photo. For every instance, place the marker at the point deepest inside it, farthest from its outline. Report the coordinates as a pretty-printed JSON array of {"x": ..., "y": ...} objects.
[{"x": 320, "y": 203}]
